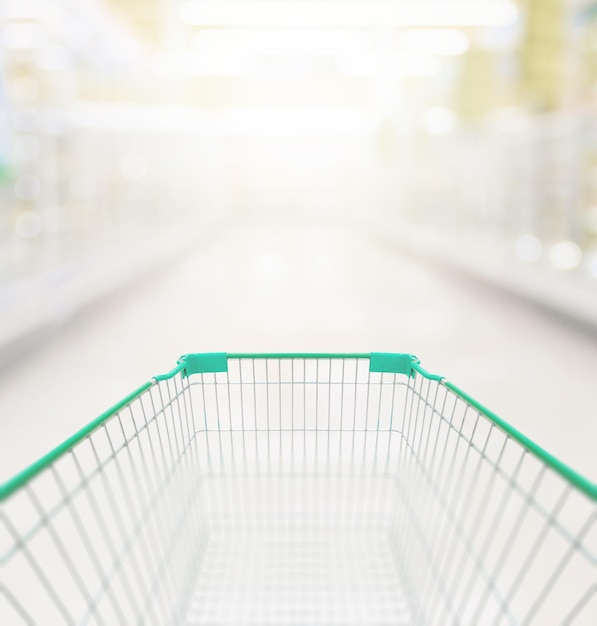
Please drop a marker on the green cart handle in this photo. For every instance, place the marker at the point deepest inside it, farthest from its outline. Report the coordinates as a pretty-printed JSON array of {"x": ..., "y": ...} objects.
[{"x": 215, "y": 362}]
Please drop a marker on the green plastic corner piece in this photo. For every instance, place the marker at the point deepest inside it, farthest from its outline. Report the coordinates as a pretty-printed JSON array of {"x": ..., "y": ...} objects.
[
  {"x": 207, "y": 363},
  {"x": 391, "y": 363}
]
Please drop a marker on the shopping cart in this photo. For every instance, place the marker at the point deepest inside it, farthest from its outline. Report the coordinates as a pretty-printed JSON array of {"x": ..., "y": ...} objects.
[{"x": 298, "y": 489}]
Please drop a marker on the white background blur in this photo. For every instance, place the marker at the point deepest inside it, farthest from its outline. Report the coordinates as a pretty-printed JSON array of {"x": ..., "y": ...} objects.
[{"x": 413, "y": 176}]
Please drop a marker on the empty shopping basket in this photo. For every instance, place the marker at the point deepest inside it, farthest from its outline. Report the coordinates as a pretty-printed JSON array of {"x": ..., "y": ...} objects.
[{"x": 298, "y": 489}]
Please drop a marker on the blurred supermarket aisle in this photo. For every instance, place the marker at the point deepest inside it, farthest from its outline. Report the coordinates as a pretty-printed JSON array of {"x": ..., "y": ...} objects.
[
  {"x": 195, "y": 175},
  {"x": 283, "y": 285}
]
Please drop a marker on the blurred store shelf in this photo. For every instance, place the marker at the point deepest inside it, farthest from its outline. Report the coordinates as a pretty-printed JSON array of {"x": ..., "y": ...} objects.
[
  {"x": 36, "y": 303},
  {"x": 491, "y": 260}
]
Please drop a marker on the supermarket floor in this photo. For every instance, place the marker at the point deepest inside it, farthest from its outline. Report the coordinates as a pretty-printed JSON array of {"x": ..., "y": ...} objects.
[{"x": 275, "y": 285}]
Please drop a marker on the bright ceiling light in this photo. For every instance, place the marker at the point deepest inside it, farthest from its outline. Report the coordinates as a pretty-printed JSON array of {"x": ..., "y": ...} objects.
[
  {"x": 300, "y": 121},
  {"x": 350, "y": 13},
  {"x": 448, "y": 42},
  {"x": 175, "y": 63},
  {"x": 413, "y": 65},
  {"x": 418, "y": 66},
  {"x": 283, "y": 42}
]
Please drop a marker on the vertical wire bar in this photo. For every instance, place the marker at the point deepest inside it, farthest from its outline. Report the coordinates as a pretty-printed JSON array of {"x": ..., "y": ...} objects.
[
  {"x": 509, "y": 542},
  {"x": 391, "y": 422},
  {"x": 17, "y": 606},
  {"x": 584, "y": 600},
  {"x": 408, "y": 455},
  {"x": 411, "y": 531},
  {"x": 437, "y": 436},
  {"x": 342, "y": 398},
  {"x": 379, "y": 403},
  {"x": 218, "y": 419},
  {"x": 59, "y": 545},
  {"x": 446, "y": 546},
  {"x": 478, "y": 518},
  {"x": 187, "y": 384},
  {"x": 559, "y": 569},
  {"x": 87, "y": 543},
  {"x": 427, "y": 502},
  {"x": 316, "y": 397},
  {"x": 190, "y": 520},
  {"x": 433, "y": 419},
  {"x": 375, "y": 498},
  {"x": 437, "y": 543},
  {"x": 416, "y": 447},
  {"x": 398, "y": 538},
  {"x": 165, "y": 478},
  {"x": 417, "y": 463},
  {"x": 329, "y": 399},
  {"x": 155, "y": 544},
  {"x": 254, "y": 393},
  {"x": 292, "y": 382},
  {"x": 280, "y": 398},
  {"x": 522, "y": 572},
  {"x": 402, "y": 521},
  {"x": 429, "y": 429},
  {"x": 169, "y": 470},
  {"x": 127, "y": 539},
  {"x": 434, "y": 574},
  {"x": 106, "y": 535},
  {"x": 229, "y": 408},
  {"x": 242, "y": 403},
  {"x": 180, "y": 467},
  {"x": 387, "y": 470},
  {"x": 304, "y": 361},
  {"x": 367, "y": 405},
  {"x": 142, "y": 519},
  {"x": 464, "y": 541},
  {"x": 41, "y": 576},
  {"x": 166, "y": 556},
  {"x": 186, "y": 462},
  {"x": 356, "y": 398},
  {"x": 196, "y": 541},
  {"x": 492, "y": 534},
  {"x": 205, "y": 405}
]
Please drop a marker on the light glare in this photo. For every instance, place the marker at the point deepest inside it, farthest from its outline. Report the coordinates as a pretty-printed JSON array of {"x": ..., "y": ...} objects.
[
  {"x": 565, "y": 255},
  {"x": 448, "y": 42},
  {"x": 350, "y": 13},
  {"x": 229, "y": 63},
  {"x": 283, "y": 42},
  {"x": 413, "y": 65}
]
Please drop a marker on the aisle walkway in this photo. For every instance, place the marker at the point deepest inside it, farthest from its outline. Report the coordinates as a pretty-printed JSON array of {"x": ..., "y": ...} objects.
[{"x": 267, "y": 286}]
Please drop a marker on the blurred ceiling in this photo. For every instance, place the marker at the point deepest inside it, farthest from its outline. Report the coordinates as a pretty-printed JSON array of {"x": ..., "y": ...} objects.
[
  {"x": 162, "y": 23},
  {"x": 145, "y": 17}
]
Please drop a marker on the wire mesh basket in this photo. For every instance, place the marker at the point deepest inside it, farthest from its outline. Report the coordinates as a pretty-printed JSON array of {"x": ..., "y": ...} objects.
[{"x": 303, "y": 490}]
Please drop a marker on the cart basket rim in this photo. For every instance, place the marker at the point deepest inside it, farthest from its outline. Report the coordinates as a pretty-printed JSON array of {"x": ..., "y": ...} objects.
[{"x": 401, "y": 363}]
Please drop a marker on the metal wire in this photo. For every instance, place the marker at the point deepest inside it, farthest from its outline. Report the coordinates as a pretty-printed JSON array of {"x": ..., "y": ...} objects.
[{"x": 298, "y": 491}]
